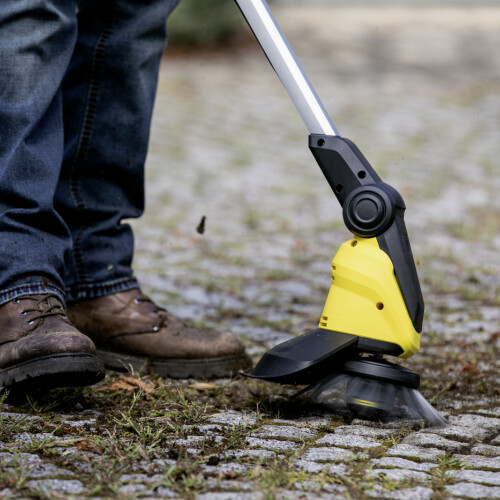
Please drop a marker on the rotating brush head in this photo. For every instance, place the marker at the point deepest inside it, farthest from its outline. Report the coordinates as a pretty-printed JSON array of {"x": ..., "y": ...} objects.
[
  {"x": 375, "y": 389},
  {"x": 373, "y": 386},
  {"x": 370, "y": 399}
]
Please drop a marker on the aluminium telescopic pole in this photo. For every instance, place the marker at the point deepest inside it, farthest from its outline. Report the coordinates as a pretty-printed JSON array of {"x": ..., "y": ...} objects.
[{"x": 283, "y": 60}]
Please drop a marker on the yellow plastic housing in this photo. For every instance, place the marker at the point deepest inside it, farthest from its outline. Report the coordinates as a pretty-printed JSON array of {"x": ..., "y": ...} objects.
[{"x": 365, "y": 299}]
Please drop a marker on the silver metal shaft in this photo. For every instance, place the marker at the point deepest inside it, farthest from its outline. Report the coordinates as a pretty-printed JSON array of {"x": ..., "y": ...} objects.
[{"x": 284, "y": 62}]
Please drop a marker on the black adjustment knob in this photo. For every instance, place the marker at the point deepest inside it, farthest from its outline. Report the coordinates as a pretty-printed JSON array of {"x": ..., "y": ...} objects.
[{"x": 368, "y": 211}]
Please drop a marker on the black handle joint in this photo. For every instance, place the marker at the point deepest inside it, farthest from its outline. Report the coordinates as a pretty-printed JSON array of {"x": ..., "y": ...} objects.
[{"x": 371, "y": 208}]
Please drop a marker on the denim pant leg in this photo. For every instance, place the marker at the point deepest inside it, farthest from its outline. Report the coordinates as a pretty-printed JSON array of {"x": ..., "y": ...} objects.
[
  {"x": 109, "y": 92},
  {"x": 36, "y": 43}
]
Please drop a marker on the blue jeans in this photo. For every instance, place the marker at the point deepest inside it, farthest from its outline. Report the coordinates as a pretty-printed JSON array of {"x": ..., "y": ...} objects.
[{"x": 77, "y": 87}]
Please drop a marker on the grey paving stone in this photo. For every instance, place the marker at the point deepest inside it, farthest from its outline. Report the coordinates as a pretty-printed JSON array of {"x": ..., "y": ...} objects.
[
  {"x": 159, "y": 464},
  {"x": 284, "y": 431},
  {"x": 249, "y": 453},
  {"x": 461, "y": 433},
  {"x": 472, "y": 490},
  {"x": 51, "y": 487},
  {"x": 480, "y": 462},
  {"x": 41, "y": 470},
  {"x": 402, "y": 463},
  {"x": 226, "y": 468},
  {"x": 271, "y": 444},
  {"x": 140, "y": 478},
  {"x": 476, "y": 476},
  {"x": 334, "y": 488},
  {"x": 24, "y": 417},
  {"x": 336, "y": 491},
  {"x": 486, "y": 449},
  {"x": 194, "y": 440},
  {"x": 132, "y": 489},
  {"x": 243, "y": 495},
  {"x": 321, "y": 467},
  {"x": 209, "y": 428},
  {"x": 87, "y": 423},
  {"x": 399, "y": 474},
  {"x": 433, "y": 440},
  {"x": 162, "y": 491},
  {"x": 416, "y": 493},
  {"x": 395, "y": 424},
  {"x": 489, "y": 412},
  {"x": 23, "y": 458},
  {"x": 312, "y": 421},
  {"x": 470, "y": 420},
  {"x": 417, "y": 452},
  {"x": 495, "y": 441},
  {"x": 305, "y": 495},
  {"x": 327, "y": 454},
  {"x": 228, "y": 485},
  {"x": 348, "y": 441},
  {"x": 366, "y": 431},
  {"x": 236, "y": 418},
  {"x": 36, "y": 437}
]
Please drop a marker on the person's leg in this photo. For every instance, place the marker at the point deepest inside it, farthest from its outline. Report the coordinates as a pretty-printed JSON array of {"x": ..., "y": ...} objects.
[
  {"x": 109, "y": 93},
  {"x": 38, "y": 346},
  {"x": 108, "y": 101},
  {"x": 36, "y": 43}
]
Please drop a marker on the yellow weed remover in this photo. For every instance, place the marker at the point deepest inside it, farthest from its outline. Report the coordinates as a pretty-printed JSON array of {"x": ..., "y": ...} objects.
[{"x": 375, "y": 306}]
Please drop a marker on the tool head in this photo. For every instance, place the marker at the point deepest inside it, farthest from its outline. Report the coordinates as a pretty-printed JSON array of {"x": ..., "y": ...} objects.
[{"x": 374, "y": 389}]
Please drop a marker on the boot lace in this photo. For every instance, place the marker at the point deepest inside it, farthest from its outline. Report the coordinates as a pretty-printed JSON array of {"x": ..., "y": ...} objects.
[
  {"x": 42, "y": 307},
  {"x": 155, "y": 309}
]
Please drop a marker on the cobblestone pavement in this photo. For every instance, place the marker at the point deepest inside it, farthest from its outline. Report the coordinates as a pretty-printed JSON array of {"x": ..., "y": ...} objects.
[{"x": 418, "y": 89}]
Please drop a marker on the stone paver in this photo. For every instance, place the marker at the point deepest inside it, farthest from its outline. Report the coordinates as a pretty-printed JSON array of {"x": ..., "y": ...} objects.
[
  {"x": 472, "y": 490},
  {"x": 231, "y": 496},
  {"x": 416, "y": 452},
  {"x": 480, "y": 462},
  {"x": 322, "y": 467},
  {"x": 470, "y": 420},
  {"x": 63, "y": 486},
  {"x": 272, "y": 444},
  {"x": 233, "y": 418},
  {"x": 486, "y": 449},
  {"x": 402, "y": 463},
  {"x": 417, "y": 493},
  {"x": 327, "y": 454},
  {"x": 284, "y": 431},
  {"x": 399, "y": 474},
  {"x": 348, "y": 441},
  {"x": 476, "y": 476},
  {"x": 457, "y": 432},
  {"x": 374, "y": 433},
  {"x": 432, "y": 440}
]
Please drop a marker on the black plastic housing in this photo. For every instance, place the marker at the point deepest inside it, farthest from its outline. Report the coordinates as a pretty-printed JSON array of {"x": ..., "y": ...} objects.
[
  {"x": 371, "y": 208},
  {"x": 314, "y": 355}
]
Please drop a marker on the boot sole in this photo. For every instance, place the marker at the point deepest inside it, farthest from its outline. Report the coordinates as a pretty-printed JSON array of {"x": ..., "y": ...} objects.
[
  {"x": 227, "y": 366},
  {"x": 49, "y": 372}
]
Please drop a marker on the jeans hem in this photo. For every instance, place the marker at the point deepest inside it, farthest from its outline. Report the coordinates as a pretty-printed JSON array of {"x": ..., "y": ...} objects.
[
  {"x": 35, "y": 288},
  {"x": 96, "y": 290}
]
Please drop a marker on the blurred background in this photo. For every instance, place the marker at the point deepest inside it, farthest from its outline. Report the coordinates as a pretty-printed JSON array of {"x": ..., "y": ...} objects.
[{"x": 415, "y": 84}]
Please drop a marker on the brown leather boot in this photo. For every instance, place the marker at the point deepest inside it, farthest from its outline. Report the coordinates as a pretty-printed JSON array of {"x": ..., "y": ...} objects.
[
  {"x": 39, "y": 348},
  {"x": 130, "y": 330}
]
